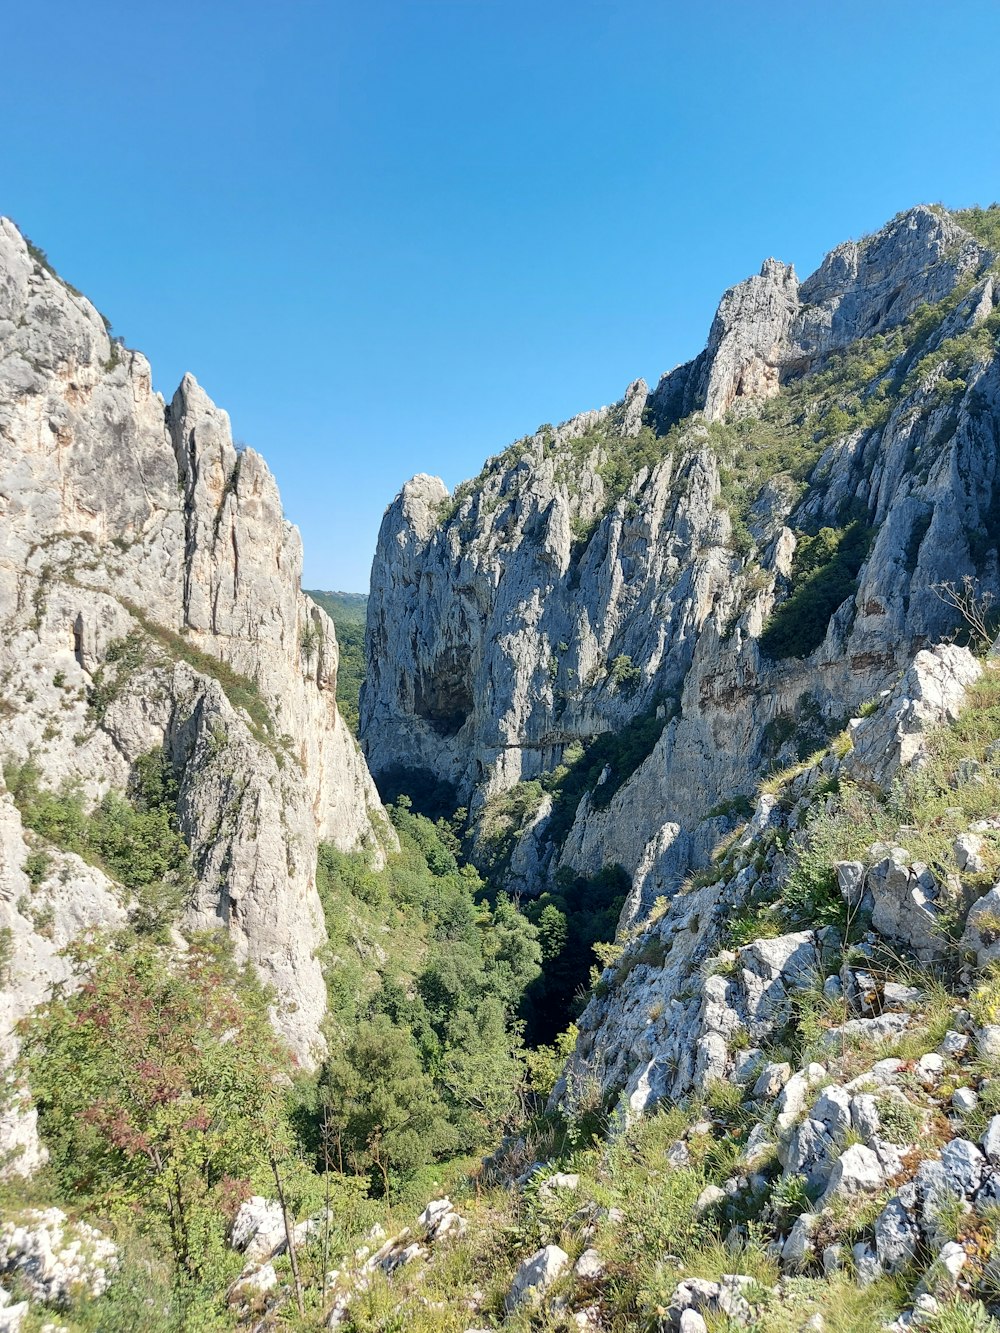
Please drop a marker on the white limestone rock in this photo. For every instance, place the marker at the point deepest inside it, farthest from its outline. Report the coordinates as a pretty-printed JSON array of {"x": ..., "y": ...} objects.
[
  {"x": 590, "y": 1266},
  {"x": 930, "y": 693},
  {"x": 124, "y": 516},
  {"x": 258, "y": 1229},
  {"x": 797, "y": 1250},
  {"x": 254, "y": 1281},
  {"x": 897, "y": 1237},
  {"x": 535, "y": 1276},
  {"x": 857, "y": 1170},
  {"x": 56, "y": 1259},
  {"x": 981, "y": 937}
]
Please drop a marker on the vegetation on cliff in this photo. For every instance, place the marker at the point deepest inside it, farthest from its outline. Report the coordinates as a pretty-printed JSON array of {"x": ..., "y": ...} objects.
[{"x": 347, "y": 611}]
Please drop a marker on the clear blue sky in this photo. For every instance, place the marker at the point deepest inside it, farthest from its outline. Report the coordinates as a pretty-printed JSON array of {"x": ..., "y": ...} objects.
[{"x": 390, "y": 236}]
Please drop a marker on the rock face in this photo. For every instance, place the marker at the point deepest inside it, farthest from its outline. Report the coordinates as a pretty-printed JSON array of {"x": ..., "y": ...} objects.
[
  {"x": 679, "y": 1011},
  {"x": 149, "y": 596},
  {"x": 55, "y": 1257},
  {"x": 550, "y": 602}
]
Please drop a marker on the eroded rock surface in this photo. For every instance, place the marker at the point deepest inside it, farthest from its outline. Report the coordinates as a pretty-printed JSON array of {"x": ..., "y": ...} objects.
[
  {"x": 549, "y": 602},
  {"x": 149, "y": 598}
]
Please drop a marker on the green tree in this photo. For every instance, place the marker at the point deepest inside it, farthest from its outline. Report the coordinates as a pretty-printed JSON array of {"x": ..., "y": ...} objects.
[
  {"x": 159, "y": 1083},
  {"x": 482, "y": 1074},
  {"x": 513, "y": 955},
  {"x": 381, "y": 1108}
]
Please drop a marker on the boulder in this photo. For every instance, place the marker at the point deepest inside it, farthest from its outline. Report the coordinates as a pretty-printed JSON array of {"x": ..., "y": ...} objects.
[
  {"x": 559, "y": 1183},
  {"x": 254, "y": 1281},
  {"x": 535, "y": 1276},
  {"x": 866, "y": 1264},
  {"x": 851, "y": 882},
  {"x": 964, "y": 1099},
  {"x": 798, "y": 1248},
  {"x": 981, "y": 936},
  {"x": 833, "y": 1109},
  {"x": 905, "y": 999},
  {"x": 589, "y": 1266},
  {"x": 904, "y": 906},
  {"x": 953, "y": 1044},
  {"x": 857, "y": 1170},
  {"x": 258, "y": 1228},
  {"x": 864, "y": 1114},
  {"x": 929, "y": 1069},
  {"x": 12, "y": 1316},
  {"x": 964, "y": 1166},
  {"x": 808, "y": 1151},
  {"x": 968, "y": 852},
  {"x": 710, "y": 1197},
  {"x": 725, "y": 1297},
  {"x": 896, "y": 1237}
]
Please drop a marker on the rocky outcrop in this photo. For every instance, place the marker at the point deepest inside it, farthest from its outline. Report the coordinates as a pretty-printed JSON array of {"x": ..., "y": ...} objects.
[
  {"x": 548, "y": 602},
  {"x": 682, "y": 1009},
  {"x": 55, "y": 1258},
  {"x": 149, "y": 598},
  {"x": 771, "y": 326},
  {"x": 931, "y": 692}
]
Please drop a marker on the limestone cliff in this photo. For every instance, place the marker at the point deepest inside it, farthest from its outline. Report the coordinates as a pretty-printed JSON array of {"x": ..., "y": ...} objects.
[
  {"x": 733, "y": 561},
  {"x": 149, "y": 597}
]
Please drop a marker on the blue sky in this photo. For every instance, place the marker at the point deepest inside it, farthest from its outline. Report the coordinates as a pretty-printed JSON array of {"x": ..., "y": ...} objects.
[{"x": 390, "y": 236}]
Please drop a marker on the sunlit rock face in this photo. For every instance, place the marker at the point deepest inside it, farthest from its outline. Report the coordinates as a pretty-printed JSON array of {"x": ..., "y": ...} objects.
[
  {"x": 555, "y": 599},
  {"x": 127, "y": 520}
]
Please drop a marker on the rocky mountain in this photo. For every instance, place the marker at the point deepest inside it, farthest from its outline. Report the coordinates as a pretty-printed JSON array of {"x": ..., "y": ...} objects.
[
  {"x": 150, "y": 601},
  {"x": 722, "y": 656},
  {"x": 605, "y": 639}
]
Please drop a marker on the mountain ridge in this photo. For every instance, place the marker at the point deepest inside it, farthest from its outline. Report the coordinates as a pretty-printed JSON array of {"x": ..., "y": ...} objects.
[{"x": 632, "y": 558}]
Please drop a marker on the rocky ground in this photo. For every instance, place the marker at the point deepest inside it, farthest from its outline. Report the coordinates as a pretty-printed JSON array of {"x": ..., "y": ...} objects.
[
  {"x": 780, "y": 1105},
  {"x": 797, "y": 1128}
]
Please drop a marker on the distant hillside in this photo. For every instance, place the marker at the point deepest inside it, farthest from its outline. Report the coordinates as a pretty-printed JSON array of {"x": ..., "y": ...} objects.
[{"x": 347, "y": 610}]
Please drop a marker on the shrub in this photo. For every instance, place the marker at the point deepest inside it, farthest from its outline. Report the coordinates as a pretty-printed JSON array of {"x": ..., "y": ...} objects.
[
  {"x": 124, "y": 657},
  {"x": 824, "y": 574},
  {"x": 790, "y": 1196},
  {"x": 36, "y": 867},
  {"x": 136, "y": 841},
  {"x": 624, "y": 674},
  {"x": 158, "y": 1083}
]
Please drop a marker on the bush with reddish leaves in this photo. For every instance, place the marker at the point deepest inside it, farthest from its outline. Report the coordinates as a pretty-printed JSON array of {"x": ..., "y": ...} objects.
[{"x": 160, "y": 1086}]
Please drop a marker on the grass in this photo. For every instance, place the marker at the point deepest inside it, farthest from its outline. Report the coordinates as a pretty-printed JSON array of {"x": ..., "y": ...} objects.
[{"x": 240, "y": 690}]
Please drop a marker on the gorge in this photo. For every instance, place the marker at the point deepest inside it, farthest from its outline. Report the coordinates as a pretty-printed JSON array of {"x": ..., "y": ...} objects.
[{"x": 672, "y": 951}]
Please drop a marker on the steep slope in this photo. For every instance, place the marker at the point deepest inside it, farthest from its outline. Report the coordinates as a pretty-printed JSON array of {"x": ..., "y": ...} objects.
[
  {"x": 718, "y": 571},
  {"x": 150, "y": 604}
]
